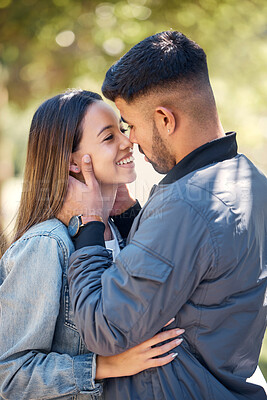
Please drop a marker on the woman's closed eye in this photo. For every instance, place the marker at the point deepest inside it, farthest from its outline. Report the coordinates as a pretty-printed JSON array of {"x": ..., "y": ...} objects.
[{"x": 109, "y": 137}]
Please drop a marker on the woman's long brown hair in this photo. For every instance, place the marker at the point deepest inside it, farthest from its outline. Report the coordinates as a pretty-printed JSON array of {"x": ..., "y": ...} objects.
[{"x": 55, "y": 132}]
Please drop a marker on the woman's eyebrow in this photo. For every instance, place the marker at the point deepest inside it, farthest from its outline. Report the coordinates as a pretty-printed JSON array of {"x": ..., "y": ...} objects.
[{"x": 103, "y": 129}]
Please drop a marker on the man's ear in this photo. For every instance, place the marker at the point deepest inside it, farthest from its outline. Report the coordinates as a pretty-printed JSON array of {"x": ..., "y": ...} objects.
[
  {"x": 165, "y": 120},
  {"x": 74, "y": 167}
]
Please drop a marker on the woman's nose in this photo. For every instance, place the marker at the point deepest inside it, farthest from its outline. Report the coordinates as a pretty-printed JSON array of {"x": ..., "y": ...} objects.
[{"x": 125, "y": 142}]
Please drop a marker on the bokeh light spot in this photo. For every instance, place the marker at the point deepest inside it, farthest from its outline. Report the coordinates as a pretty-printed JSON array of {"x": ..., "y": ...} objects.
[
  {"x": 113, "y": 46},
  {"x": 65, "y": 38},
  {"x": 104, "y": 10}
]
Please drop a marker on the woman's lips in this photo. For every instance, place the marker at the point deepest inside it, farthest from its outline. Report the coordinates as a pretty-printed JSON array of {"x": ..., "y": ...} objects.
[
  {"x": 125, "y": 157},
  {"x": 126, "y": 162},
  {"x": 130, "y": 164}
]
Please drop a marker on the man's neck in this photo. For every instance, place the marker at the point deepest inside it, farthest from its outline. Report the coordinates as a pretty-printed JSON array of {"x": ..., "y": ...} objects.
[{"x": 196, "y": 138}]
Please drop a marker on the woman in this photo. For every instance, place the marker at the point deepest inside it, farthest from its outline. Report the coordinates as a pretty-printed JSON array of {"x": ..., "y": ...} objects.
[{"x": 42, "y": 355}]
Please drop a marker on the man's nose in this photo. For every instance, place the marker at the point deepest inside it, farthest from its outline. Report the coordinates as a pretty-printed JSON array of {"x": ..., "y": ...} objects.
[{"x": 132, "y": 137}]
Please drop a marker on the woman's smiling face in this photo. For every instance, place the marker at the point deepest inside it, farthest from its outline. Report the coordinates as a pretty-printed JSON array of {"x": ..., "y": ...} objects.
[{"x": 110, "y": 149}]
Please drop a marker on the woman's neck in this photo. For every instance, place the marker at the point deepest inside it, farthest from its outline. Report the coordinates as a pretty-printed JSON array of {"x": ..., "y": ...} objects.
[{"x": 108, "y": 194}]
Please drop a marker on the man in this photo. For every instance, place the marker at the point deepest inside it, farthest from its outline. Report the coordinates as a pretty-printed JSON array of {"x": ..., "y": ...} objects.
[{"x": 197, "y": 250}]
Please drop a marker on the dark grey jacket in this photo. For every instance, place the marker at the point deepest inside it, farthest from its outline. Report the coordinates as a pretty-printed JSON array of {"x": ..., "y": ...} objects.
[{"x": 196, "y": 251}]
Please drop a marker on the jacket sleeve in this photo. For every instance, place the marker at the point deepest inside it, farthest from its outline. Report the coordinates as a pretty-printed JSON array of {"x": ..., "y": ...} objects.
[
  {"x": 122, "y": 305},
  {"x": 29, "y": 303}
]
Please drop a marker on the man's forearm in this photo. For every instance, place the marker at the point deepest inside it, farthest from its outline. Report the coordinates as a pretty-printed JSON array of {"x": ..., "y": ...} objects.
[{"x": 85, "y": 273}]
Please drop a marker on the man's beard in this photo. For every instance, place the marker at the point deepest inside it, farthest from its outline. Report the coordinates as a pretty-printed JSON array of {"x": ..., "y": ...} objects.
[{"x": 162, "y": 160}]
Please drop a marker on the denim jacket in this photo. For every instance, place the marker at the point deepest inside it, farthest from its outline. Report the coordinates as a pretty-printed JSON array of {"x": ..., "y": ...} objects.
[{"x": 42, "y": 355}]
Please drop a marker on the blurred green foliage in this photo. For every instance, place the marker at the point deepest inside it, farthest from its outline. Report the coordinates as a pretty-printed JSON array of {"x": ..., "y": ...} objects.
[
  {"x": 48, "y": 46},
  {"x": 263, "y": 357}
]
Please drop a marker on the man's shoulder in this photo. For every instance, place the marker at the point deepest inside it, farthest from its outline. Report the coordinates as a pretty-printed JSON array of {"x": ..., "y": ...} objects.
[
  {"x": 229, "y": 182},
  {"x": 234, "y": 175},
  {"x": 220, "y": 189}
]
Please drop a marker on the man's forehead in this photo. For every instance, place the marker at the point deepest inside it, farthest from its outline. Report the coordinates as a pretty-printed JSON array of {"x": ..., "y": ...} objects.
[
  {"x": 124, "y": 108},
  {"x": 124, "y": 120},
  {"x": 120, "y": 102},
  {"x": 131, "y": 112}
]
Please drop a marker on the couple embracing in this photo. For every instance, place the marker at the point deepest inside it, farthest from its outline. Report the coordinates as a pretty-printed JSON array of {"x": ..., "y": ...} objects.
[{"x": 96, "y": 292}]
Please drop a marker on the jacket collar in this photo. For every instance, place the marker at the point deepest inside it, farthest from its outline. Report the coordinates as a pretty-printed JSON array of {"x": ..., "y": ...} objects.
[{"x": 215, "y": 151}]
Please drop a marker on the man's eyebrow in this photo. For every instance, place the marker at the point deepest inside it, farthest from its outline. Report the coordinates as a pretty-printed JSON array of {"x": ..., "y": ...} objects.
[{"x": 103, "y": 129}]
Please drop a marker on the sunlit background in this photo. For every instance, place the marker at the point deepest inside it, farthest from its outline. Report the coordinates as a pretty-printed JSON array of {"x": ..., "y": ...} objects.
[{"x": 49, "y": 46}]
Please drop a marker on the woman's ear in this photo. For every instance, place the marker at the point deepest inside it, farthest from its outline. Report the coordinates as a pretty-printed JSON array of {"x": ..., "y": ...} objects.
[
  {"x": 165, "y": 120},
  {"x": 74, "y": 167}
]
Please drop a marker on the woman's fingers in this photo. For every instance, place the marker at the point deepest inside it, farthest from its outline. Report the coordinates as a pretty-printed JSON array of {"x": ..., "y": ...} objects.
[
  {"x": 170, "y": 321},
  {"x": 163, "y": 336},
  {"x": 165, "y": 348},
  {"x": 87, "y": 169},
  {"x": 159, "y": 362}
]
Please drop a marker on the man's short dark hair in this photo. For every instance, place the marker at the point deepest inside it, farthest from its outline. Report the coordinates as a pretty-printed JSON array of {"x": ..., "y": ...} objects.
[{"x": 156, "y": 62}]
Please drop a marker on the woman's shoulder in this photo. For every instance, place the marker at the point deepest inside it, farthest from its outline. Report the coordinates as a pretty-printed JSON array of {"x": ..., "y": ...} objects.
[
  {"x": 41, "y": 235},
  {"x": 51, "y": 227}
]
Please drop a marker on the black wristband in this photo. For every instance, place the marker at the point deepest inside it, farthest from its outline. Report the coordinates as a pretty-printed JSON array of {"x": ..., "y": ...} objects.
[{"x": 91, "y": 234}]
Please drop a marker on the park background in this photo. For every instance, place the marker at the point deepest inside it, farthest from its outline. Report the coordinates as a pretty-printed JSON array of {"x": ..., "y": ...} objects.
[{"x": 49, "y": 46}]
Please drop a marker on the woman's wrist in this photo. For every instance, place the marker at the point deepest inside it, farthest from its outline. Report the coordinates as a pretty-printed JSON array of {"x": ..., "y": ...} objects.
[
  {"x": 103, "y": 368},
  {"x": 119, "y": 210},
  {"x": 91, "y": 218},
  {"x": 128, "y": 205}
]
